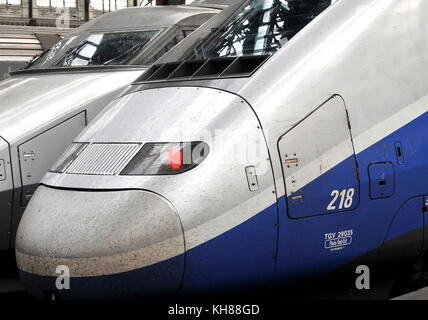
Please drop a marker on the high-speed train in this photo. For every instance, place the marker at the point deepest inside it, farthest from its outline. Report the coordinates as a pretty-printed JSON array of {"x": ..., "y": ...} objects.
[
  {"x": 44, "y": 107},
  {"x": 275, "y": 154}
]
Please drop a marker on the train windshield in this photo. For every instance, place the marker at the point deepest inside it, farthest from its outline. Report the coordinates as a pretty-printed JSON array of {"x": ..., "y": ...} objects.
[
  {"x": 96, "y": 49},
  {"x": 261, "y": 27}
]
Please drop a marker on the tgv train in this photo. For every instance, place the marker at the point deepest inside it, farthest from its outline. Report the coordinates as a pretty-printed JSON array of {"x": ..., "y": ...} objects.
[
  {"x": 272, "y": 155},
  {"x": 45, "y": 106}
]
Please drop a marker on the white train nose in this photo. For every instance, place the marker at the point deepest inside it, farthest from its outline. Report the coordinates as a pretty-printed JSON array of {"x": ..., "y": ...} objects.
[{"x": 104, "y": 238}]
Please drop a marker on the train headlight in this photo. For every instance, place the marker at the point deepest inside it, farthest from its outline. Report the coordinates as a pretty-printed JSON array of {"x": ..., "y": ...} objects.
[{"x": 166, "y": 158}]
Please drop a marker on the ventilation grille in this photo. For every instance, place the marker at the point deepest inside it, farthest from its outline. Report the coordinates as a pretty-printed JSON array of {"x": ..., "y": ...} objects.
[
  {"x": 103, "y": 158},
  {"x": 216, "y": 68}
]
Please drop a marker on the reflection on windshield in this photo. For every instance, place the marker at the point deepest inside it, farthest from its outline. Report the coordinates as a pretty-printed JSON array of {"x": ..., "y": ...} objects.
[
  {"x": 262, "y": 27},
  {"x": 48, "y": 56},
  {"x": 115, "y": 48},
  {"x": 108, "y": 48}
]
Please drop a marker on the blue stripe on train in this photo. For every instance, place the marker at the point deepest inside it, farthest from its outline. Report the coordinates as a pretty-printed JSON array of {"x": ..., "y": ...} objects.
[{"x": 243, "y": 256}]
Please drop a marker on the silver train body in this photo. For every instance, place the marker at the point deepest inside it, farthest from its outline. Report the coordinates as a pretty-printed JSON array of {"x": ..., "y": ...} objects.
[
  {"x": 43, "y": 110},
  {"x": 316, "y": 118}
]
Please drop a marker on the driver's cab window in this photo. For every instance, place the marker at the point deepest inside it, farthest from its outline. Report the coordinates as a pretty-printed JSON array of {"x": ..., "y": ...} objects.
[{"x": 107, "y": 48}]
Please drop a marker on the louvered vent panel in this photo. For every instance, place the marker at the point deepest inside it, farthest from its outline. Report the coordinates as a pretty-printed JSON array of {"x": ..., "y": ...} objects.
[
  {"x": 104, "y": 158},
  {"x": 214, "y": 68}
]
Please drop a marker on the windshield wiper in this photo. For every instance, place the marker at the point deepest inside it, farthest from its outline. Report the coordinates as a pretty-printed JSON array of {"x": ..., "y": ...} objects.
[
  {"x": 127, "y": 53},
  {"x": 35, "y": 58}
]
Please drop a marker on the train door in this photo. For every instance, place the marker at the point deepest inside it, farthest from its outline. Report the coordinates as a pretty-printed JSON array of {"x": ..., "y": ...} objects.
[
  {"x": 38, "y": 154},
  {"x": 308, "y": 153}
]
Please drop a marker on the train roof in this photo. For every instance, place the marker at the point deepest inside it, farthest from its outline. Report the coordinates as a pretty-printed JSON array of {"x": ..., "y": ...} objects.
[
  {"x": 153, "y": 17},
  {"x": 221, "y": 4}
]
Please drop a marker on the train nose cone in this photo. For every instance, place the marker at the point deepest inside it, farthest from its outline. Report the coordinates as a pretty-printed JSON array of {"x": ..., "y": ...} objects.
[{"x": 118, "y": 244}]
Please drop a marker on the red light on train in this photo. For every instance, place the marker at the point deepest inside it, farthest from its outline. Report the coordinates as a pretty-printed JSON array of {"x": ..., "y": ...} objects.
[{"x": 175, "y": 157}]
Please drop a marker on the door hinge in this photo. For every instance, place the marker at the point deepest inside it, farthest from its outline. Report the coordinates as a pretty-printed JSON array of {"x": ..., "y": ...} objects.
[
  {"x": 29, "y": 155},
  {"x": 291, "y": 160}
]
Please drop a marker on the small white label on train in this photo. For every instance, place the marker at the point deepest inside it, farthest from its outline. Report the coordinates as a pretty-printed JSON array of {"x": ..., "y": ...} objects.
[{"x": 338, "y": 240}]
